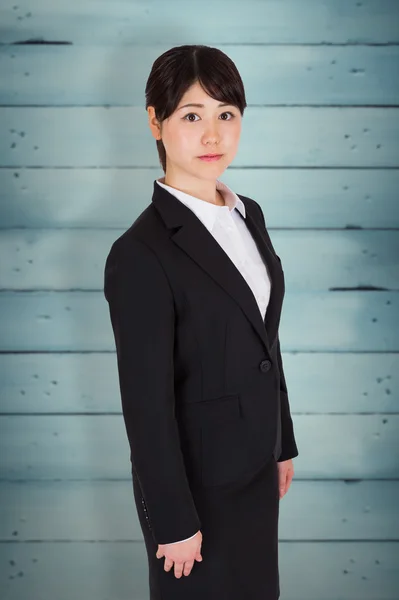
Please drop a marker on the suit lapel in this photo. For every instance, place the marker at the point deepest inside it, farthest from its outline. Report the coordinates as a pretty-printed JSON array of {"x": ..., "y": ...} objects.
[
  {"x": 272, "y": 317},
  {"x": 195, "y": 240}
]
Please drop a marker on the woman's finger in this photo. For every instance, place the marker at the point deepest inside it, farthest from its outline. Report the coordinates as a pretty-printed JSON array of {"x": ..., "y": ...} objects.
[
  {"x": 168, "y": 564},
  {"x": 178, "y": 569}
]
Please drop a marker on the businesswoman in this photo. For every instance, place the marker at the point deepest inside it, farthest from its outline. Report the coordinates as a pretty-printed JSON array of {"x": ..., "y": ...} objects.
[{"x": 195, "y": 292}]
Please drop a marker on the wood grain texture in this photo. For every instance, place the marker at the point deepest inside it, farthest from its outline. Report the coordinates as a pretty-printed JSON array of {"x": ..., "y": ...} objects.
[
  {"x": 61, "y": 447},
  {"x": 73, "y": 383},
  {"x": 343, "y": 321},
  {"x": 320, "y": 153},
  {"x": 123, "y": 22},
  {"x": 312, "y": 260},
  {"x": 273, "y": 75},
  {"x": 271, "y": 136},
  {"x": 56, "y": 511},
  {"x": 118, "y": 571},
  {"x": 112, "y": 198}
]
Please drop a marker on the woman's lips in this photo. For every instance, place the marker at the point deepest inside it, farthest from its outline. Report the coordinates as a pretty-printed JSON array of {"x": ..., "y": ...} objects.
[{"x": 207, "y": 158}]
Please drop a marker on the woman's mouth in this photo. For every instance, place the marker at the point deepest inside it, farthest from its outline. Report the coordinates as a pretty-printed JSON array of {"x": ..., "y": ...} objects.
[{"x": 210, "y": 157}]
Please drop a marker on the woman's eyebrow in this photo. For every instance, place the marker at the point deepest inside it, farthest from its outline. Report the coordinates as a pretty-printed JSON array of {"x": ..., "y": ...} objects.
[{"x": 202, "y": 105}]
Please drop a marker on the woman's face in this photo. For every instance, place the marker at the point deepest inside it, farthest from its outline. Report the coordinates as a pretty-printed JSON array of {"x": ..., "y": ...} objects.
[{"x": 192, "y": 131}]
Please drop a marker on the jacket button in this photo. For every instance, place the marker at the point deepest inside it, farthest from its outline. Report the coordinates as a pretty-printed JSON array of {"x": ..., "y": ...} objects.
[{"x": 265, "y": 365}]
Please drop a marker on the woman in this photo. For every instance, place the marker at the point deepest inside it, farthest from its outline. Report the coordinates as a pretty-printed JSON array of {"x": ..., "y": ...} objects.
[{"x": 195, "y": 291}]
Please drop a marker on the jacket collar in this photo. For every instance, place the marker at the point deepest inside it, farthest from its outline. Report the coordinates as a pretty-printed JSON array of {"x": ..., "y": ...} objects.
[
  {"x": 191, "y": 235},
  {"x": 206, "y": 211}
]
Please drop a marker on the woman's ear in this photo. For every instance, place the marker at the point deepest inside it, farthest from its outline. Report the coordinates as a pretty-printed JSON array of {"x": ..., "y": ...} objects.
[{"x": 154, "y": 124}]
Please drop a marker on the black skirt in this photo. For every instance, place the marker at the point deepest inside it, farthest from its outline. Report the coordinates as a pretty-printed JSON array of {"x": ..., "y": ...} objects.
[{"x": 239, "y": 546}]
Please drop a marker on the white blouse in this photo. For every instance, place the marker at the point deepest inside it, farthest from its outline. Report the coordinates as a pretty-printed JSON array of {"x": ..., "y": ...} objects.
[{"x": 232, "y": 234}]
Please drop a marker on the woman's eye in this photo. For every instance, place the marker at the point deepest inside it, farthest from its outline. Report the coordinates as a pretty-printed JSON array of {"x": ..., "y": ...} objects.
[
  {"x": 195, "y": 115},
  {"x": 228, "y": 113},
  {"x": 190, "y": 115}
]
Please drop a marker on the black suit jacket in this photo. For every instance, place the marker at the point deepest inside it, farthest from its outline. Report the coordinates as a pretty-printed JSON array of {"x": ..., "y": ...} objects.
[{"x": 203, "y": 392}]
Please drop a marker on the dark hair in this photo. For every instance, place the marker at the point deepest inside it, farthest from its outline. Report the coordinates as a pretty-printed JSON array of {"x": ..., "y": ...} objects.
[{"x": 177, "y": 69}]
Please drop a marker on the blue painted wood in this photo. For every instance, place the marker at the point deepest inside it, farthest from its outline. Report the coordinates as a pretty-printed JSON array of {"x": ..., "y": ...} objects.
[
  {"x": 67, "y": 570},
  {"x": 75, "y": 259},
  {"x": 126, "y": 22},
  {"x": 290, "y": 198},
  {"x": 76, "y": 321},
  {"x": 314, "y": 166},
  {"x": 315, "y": 75},
  {"x": 271, "y": 136},
  {"x": 119, "y": 571},
  {"x": 104, "y": 510},
  {"x": 96, "y": 447},
  {"x": 342, "y": 383}
]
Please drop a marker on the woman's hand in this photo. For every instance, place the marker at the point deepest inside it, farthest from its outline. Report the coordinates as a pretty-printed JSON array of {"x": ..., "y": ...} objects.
[
  {"x": 285, "y": 475},
  {"x": 182, "y": 555}
]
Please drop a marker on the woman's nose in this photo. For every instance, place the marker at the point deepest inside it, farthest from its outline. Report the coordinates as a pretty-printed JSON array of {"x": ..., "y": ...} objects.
[{"x": 211, "y": 135}]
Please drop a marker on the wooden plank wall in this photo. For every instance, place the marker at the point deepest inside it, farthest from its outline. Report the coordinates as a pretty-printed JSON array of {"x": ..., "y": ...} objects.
[{"x": 320, "y": 153}]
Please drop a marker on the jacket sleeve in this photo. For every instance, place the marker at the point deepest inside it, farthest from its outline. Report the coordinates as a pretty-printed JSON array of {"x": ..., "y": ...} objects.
[
  {"x": 142, "y": 315},
  {"x": 288, "y": 444}
]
